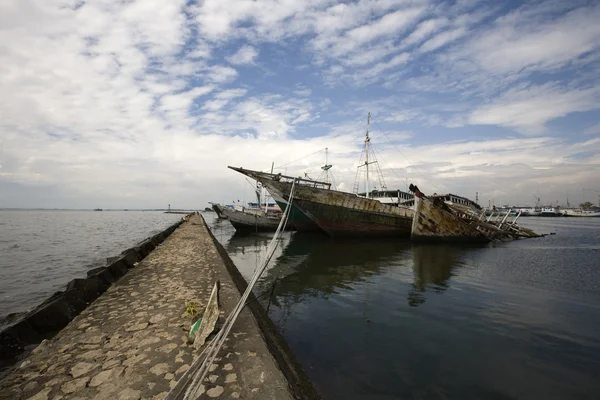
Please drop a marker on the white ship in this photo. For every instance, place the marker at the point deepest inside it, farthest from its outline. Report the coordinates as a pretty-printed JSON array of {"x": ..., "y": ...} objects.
[{"x": 577, "y": 212}]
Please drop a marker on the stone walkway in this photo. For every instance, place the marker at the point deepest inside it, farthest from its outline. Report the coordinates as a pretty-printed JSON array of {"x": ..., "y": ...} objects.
[{"x": 131, "y": 343}]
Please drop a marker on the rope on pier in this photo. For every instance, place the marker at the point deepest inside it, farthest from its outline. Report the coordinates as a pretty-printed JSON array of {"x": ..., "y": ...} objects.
[{"x": 187, "y": 388}]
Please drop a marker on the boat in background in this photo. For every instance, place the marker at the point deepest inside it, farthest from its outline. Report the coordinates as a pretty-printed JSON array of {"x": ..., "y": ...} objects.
[
  {"x": 250, "y": 222},
  {"x": 551, "y": 212},
  {"x": 219, "y": 210},
  {"x": 580, "y": 213},
  {"x": 259, "y": 216},
  {"x": 529, "y": 211}
]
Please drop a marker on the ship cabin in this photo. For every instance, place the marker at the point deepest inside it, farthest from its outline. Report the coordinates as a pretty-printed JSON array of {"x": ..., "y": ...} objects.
[
  {"x": 449, "y": 199},
  {"x": 389, "y": 196}
]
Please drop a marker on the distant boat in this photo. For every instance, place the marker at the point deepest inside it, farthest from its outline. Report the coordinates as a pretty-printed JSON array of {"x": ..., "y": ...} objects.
[
  {"x": 580, "y": 213},
  {"x": 249, "y": 222},
  {"x": 551, "y": 212},
  {"x": 530, "y": 211},
  {"x": 97, "y": 209}
]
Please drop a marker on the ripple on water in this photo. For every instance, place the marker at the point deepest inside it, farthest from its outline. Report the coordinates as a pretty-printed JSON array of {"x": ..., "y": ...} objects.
[
  {"x": 389, "y": 320},
  {"x": 45, "y": 249}
]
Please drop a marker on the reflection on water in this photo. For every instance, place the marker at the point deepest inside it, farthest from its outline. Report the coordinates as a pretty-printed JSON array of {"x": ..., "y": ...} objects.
[
  {"x": 328, "y": 265},
  {"x": 432, "y": 267},
  {"x": 387, "y": 319}
]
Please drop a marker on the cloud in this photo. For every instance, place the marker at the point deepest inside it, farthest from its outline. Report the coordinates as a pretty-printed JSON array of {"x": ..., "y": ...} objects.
[
  {"x": 221, "y": 74},
  {"x": 303, "y": 92},
  {"x": 529, "y": 109},
  {"x": 223, "y": 98},
  {"x": 245, "y": 55},
  {"x": 443, "y": 39},
  {"x": 401, "y": 116},
  {"x": 516, "y": 44},
  {"x": 391, "y": 23},
  {"x": 424, "y": 30},
  {"x": 134, "y": 104},
  {"x": 593, "y": 130}
]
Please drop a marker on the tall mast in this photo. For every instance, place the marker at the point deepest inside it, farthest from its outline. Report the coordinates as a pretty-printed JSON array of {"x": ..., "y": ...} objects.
[
  {"x": 367, "y": 140},
  {"x": 326, "y": 163}
]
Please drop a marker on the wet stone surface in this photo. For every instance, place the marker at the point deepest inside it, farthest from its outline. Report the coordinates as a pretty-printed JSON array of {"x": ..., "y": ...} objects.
[{"x": 131, "y": 343}]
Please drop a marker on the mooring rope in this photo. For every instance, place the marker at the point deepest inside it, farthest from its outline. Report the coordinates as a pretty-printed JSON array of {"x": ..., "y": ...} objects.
[{"x": 192, "y": 379}]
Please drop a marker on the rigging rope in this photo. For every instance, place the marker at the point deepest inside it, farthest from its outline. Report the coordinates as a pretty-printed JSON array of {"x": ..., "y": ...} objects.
[
  {"x": 398, "y": 150},
  {"x": 380, "y": 155},
  {"x": 192, "y": 379},
  {"x": 302, "y": 158}
]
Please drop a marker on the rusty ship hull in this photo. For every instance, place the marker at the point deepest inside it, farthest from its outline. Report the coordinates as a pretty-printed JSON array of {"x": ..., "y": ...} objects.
[
  {"x": 435, "y": 221},
  {"x": 300, "y": 221},
  {"x": 337, "y": 213}
]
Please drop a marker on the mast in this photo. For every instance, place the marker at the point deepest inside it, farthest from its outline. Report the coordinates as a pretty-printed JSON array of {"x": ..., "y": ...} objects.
[
  {"x": 326, "y": 163},
  {"x": 367, "y": 154},
  {"x": 266, "y": 202}
]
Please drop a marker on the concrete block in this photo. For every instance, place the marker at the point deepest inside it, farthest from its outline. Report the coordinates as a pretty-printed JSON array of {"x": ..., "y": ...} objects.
[
  {"x": 104, "y": 274},
  {"x": 88, "y": 289},
  {"x": 52, "y": 316},
  {"x": 118, "y": 268},
  {"x": 14, "y": 338},
  {"x": 130, "y": 256},
  {"x": 144, "y": 248}
]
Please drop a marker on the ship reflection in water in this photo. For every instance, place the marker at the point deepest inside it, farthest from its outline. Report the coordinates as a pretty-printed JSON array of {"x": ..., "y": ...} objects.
[
  {"x": 432, "y": 268},
  {"x": 387, "y": 319}
]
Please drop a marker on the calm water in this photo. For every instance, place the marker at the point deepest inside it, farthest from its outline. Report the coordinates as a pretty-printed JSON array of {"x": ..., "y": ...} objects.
[
  {"x": 391, "y": 320},
  {"x": 40, "y": 251}
]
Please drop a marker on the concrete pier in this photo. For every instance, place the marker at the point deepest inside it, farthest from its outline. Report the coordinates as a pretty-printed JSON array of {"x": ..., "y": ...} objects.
[{"x": 131, "y": 343}]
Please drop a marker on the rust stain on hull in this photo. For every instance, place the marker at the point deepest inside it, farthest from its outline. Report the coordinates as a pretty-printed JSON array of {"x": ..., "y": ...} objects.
[
  {"x": 345, "y": 214},
  {"x": 435, "y": 222}
]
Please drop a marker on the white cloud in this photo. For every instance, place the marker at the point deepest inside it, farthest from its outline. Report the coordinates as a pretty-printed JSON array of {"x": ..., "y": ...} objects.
[
  {"x": 245, "y": 55},
  {"x": 388, "y": 24},
  {"x": 303, "y": 92},
  {"x": 443, "y": 39},
  {"x": 130, "y": 103},
  {"x": 401, "y": 116},
  {"x": 223, "y": 98},
  {"x": 424, "y": 30},
  {"x": 529, "y": 109},
  {"x": 515, "y": 43},
  {"x": 221, "y": 74},
  {"x": 339, "y": 44},
  {"x": 593, "y": 130}
]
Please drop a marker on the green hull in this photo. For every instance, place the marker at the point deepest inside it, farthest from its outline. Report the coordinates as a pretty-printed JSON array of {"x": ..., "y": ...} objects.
[{"x": 301, "y": 222}]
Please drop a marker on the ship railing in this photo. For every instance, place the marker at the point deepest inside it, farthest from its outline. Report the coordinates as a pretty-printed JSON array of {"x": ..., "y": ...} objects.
[
  {"x": 299, "y": 180},
  {"x": 282, "y": 178}
]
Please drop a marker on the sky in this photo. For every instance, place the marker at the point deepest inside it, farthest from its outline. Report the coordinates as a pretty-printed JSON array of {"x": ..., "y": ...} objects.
[{"x": 144, "y": 103}]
